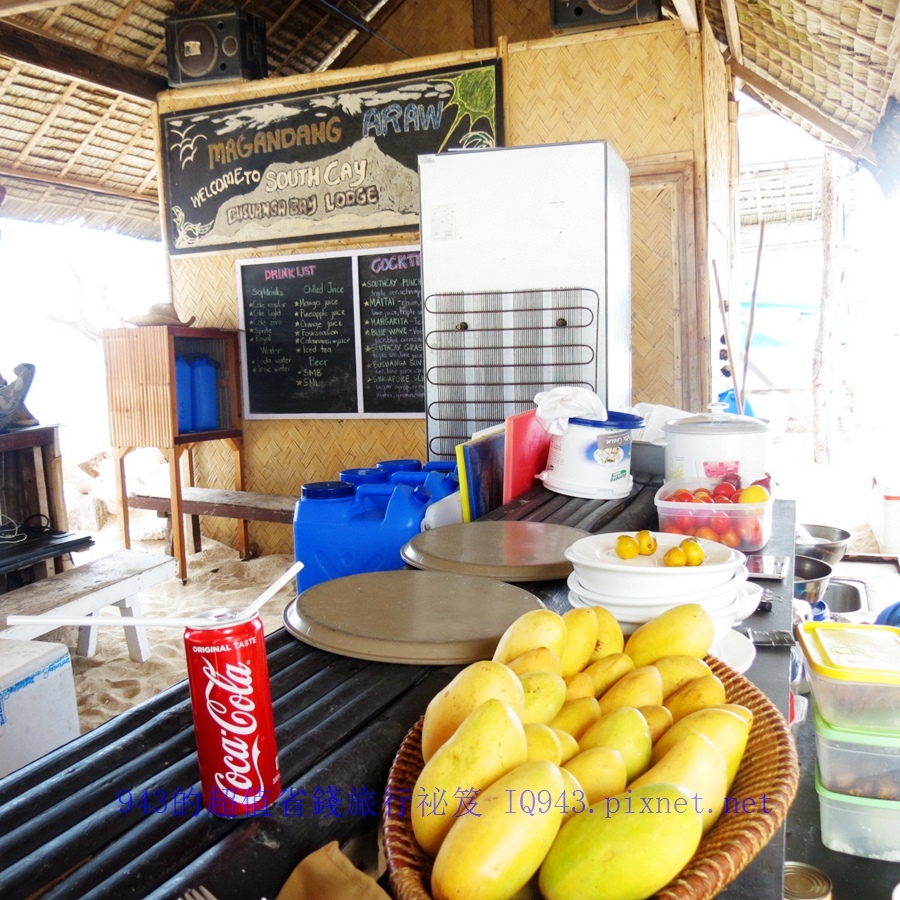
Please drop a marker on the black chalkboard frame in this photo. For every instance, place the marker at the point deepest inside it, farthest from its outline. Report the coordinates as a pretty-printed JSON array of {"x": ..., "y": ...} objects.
[
  {"x": 296, "y": 314},
  {"x": 326, "y": 162}
]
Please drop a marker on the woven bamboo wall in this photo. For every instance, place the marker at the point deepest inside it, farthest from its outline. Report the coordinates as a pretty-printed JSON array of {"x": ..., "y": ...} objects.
[
  {"x": 639, "y": 87},
  {"x": 649, "y": 114}
]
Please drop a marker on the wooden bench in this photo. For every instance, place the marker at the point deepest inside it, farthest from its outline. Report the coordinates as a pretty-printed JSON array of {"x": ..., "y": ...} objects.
[
  {"x": 113, "y": 580},
  {"x": 196, "y": 502}
]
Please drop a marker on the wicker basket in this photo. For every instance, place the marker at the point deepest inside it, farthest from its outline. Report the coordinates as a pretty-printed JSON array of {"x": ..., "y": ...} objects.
[{"x": 769, "y": 767}]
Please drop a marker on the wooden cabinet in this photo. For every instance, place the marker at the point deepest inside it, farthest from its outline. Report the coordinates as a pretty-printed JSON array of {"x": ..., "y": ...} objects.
[{"x": 143, "y": 391}]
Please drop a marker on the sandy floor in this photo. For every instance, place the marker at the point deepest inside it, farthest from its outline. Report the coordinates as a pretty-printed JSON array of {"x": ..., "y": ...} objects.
[{"x": 110, "y": 682}]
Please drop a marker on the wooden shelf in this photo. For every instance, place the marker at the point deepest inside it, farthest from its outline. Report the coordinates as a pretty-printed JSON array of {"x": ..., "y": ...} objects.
[
  {"x": 31, "y": 486},
  {"x": 143, "y": 410}
]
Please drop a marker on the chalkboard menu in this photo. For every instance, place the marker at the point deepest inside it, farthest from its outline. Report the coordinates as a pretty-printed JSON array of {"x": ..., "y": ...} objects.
[{"x": 333, "y": 335}]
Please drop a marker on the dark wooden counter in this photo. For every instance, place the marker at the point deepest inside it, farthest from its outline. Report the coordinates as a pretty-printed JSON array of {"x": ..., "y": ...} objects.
[{"x": 64, "y": 834}]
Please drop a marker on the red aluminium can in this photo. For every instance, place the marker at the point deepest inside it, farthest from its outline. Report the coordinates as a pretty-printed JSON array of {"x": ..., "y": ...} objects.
[{"x": 231, "y": 701}]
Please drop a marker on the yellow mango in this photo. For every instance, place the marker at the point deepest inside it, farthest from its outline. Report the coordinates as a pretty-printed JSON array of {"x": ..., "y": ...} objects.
[
  {"x": 480, "y": 681},
  {"x": 626, "y": 730},
  {"x": 707, "y": 690},
  {"x": 658, "y": 718},
  {"x": 600, "y": 771},
  {"x": 724, "y": 725},
  {"x": 576, "y": 715},
  {"x": 542, "y": 743},
  {"x": 682, "y": 630},
  {"x": 607, "y": 671},
  {"x": 582, "y": 629},
  {"x": 696, "y": 764},
  {"x": 540, "y": 659},
  {"x": 568, "y": 745},
  {"x": 621, "y": 851},
  {"x": 491, "y": 855},
  {"x": 640, "y": 687},
  {"x": 488, "y": 743},
  {"x": 579, "y": 685},
  {"x": 574, "y": 799},
  {"x": 535, "y": 628},
  {"x": 610, "y": 638},
  {"x": 677, "y": 670},
  {"x": 545, "y": 694}
]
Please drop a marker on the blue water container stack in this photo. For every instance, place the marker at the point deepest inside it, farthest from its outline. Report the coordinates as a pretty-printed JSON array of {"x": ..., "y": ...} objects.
[
  {"x": 341, "y": 528},
  {"x": 196, "y": 393},
  {"x": 360, "y": 522}
]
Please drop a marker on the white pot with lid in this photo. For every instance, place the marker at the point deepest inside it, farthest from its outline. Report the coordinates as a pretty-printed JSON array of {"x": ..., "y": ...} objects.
[{"x": 715, "y": 444}]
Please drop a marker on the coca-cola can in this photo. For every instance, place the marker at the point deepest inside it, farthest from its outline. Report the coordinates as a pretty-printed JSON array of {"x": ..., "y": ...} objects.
[{"x": 231, "y": 700}]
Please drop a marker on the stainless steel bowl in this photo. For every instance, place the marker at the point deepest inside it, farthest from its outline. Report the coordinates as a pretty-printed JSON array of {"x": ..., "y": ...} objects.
[
  {"x": 829, "y": 544},
  {"x": 811, "y": 577}
]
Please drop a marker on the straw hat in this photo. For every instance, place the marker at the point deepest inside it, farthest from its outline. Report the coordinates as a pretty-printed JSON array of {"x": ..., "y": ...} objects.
[{"x": 160, "y": 314}]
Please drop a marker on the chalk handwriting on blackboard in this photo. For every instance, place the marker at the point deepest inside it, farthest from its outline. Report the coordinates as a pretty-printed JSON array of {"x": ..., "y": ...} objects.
[
  {"x": 299, "y": 334},
  {"x": 391, "y": 320},
  {"x": 304, "y": 354}
]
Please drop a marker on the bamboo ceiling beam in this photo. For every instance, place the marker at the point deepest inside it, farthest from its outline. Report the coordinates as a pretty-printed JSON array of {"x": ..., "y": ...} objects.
[
  {"x": 687, "y": 12},
  {"x": 70, "y": 61},
  {"x": 796, "y": 106},
  {"x": 17, "y": 7},
  {"x": 732, "y": 30},
  {"x": 93, "y": 188}
]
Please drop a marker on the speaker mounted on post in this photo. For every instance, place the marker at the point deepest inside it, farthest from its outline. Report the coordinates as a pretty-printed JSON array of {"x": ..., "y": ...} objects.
[
  {"x": 591, "y": 15},
  {"x": 230, "y": 46}
]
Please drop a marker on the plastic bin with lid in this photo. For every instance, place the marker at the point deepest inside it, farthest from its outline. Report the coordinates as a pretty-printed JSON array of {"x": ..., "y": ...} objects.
[{"x": 854, "y": 673}]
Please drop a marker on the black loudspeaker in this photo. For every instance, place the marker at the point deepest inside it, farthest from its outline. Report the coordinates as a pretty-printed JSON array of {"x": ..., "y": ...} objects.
[
  {"x": 590, "y": 15},
  {"x": 226, "y": 47}
]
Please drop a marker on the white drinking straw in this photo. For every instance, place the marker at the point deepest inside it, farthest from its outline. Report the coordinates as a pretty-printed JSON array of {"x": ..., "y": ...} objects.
[{"x": 243, "y": 615}]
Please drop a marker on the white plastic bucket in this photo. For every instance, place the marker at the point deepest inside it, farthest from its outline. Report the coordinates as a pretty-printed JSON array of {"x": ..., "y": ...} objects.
[{"x": 593, "y": 458}]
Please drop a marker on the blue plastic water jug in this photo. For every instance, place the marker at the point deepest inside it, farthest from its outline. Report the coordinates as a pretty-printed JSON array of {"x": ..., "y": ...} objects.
[
  {"x": 364, "y": 475},
  {"x": 343, "y": 529},
  {"x": 399, "y": 465},
  {"x": 183, "y": 400},
  {"x": 204, "y": 394},
  {"x": 439, "y": 482}
]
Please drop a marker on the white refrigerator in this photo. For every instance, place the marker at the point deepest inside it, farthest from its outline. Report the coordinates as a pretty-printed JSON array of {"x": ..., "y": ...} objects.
[{"x": 526, "y": 281}]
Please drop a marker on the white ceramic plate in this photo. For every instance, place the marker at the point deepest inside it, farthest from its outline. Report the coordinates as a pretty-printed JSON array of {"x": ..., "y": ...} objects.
[
  {"x": 712, "y": 598},
  {"x": 735, "y": 650},
  {"x": 601, "y": 570}
]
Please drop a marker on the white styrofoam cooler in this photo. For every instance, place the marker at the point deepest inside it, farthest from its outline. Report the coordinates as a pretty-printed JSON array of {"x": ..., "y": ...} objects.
[
  {"x": 884, "y": 516},
  {"x": 38, "y": 711}
]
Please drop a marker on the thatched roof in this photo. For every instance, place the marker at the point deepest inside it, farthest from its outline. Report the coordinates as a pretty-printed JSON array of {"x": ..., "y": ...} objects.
[{"x": 77, "y": 83}]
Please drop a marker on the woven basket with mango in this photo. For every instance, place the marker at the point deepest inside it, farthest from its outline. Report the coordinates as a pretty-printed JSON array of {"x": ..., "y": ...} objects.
[{"x": 578, "y": 763}]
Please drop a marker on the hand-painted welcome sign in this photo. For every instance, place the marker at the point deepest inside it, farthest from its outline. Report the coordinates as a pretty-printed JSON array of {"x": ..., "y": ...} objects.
[{"x": 317, "y": 164}]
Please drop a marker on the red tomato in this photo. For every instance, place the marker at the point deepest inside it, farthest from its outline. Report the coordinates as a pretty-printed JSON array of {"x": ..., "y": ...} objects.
[
  {"x": 670, "y": 529},
  {"x": 682, "y": 495},
  {"x": 682, "y": 523},
  {"x": 721, "y": 499},
  {"x": 702, "y": 492},
  {"x": 736, "y": 497},
  {"x": 720, "y": 524},
  {"x": 707, "y": 534},
  {"x": 750, "y": 530},
  {"x": 730, "y": 539},
  {"x": 724, "y": 489}
]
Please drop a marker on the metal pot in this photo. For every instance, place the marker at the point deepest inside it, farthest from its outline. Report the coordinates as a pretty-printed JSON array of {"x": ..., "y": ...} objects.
[
  {"x": 713, "y": 445},
  {"x": 811, "y": 577},
  {"x": 829, "y": 544}
]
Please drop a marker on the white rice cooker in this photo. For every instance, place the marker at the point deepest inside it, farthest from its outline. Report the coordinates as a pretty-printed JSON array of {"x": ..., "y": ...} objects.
[{"x": 715, "y": 444}]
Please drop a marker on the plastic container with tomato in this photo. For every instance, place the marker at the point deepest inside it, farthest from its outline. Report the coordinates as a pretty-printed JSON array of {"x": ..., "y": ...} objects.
[{"x": 742, "y": 526}]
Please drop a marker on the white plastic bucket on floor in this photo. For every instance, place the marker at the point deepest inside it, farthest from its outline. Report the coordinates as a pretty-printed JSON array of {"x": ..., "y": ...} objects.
[{"x": 593, "y": 458}]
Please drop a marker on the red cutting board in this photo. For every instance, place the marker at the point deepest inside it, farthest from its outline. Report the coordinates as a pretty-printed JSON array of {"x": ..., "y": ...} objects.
[{"x": 525, "y": 453}]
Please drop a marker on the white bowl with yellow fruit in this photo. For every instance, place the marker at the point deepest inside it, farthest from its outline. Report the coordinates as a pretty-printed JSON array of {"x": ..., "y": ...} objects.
[{"x": 646, "y": 572}]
